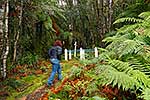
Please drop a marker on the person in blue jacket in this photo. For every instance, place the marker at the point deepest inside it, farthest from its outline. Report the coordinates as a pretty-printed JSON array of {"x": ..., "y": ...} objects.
[{"x": 55, "y": 56}]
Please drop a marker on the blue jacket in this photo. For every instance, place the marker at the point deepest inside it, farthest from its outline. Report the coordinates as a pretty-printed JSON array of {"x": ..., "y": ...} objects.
[{"x": 55, "y": 52}]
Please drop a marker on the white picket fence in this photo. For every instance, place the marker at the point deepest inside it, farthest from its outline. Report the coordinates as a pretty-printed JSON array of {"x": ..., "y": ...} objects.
[{"x": 69, "y": 53}]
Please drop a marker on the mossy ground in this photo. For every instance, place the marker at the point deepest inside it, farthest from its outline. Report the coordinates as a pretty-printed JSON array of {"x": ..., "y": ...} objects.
[{"x": 27, "y": 79}]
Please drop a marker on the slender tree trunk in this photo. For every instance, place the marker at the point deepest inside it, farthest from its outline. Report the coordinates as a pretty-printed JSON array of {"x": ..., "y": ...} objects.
[
  {"x": 18, "y": 32},
  {"x": 1, "y": 27},
  {"x": 110, "y": 14},
  {"x": 6, "y": 43},
  {"x": 1, "y": 35},
  {"x": 100, "y": 21}
]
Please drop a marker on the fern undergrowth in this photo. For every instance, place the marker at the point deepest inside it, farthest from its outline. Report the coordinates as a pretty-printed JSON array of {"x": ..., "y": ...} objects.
[{"x": 125, "y": 62}]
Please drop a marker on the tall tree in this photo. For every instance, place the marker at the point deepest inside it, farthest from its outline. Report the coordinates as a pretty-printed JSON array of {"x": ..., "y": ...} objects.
[
  {"x": 6, "y": 40},
  {"x": 17, "y": 34},
  {"x": 2, "y": 6}
]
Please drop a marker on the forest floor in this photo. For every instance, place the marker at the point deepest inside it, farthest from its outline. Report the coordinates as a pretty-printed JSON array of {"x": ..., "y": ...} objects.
[{"x": 28, "y": 82}]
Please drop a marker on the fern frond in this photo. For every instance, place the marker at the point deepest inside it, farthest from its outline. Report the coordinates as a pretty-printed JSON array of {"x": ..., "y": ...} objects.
[
  {"x": 120, "y": 66},
  {"x": 145, "y": 15},
  {"x": 139, "y": 63},
  {"x": 123, "y": 46},
  {"x": 146, "y": 94},
  {"x": 110, "y": 76},
  {"x": 115, "y": 42},
  {"x": 128, "y": 19},
  {"x": 128, "y": 28},
  {"x": 147, "y": 32},
  {"x": 140, "y": 77},
  {"x": 106, "y": 56},
  {"x": 113, "y": 39},
  {"x": 130, "y": 47}
]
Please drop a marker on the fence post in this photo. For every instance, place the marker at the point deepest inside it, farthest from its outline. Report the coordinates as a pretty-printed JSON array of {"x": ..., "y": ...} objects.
[
  {"x": 80, "y": 53},
  {"x": 75, "y": 49},
  {"x": 96, "y": 52},
  {"x": 83, "y": 54},
  {"x": 69, "y": 54},
  {"x": 66, "y": 54}
]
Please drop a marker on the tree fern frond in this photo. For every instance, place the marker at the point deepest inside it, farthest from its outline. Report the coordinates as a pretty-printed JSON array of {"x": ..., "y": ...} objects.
[
  {"x": 128, "y": 28},
  {"x": 115, "y": 42},
  {"x": 102, "y": 50},
  {"x": 128, "y": 19},
  {"x": 110, "y": 76},
  {"x": 129, "y": 47},
  {"x": 112, "y": 39},
  {"x": 120, "y": 65},
  {"x": 147, "y": 32},
  {"x": 140, "y": 77},
  {"x": 146, "y": 94},
  {"x": 145, "y": 15},
  {"x": 106, "y": 56}
]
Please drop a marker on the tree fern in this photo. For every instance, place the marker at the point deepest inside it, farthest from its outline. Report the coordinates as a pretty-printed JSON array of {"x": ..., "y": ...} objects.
[{"x": 143, "y": 23}]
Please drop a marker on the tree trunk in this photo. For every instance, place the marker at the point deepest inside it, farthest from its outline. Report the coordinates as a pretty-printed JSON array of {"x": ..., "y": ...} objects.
[
  {"x": 110, "y": 14},
  {"x": 18, "y": 32},
  {"x": 100, "y": 21},
  {"x": 6, "y": 40},
  {"x": 1, "y": 35}
]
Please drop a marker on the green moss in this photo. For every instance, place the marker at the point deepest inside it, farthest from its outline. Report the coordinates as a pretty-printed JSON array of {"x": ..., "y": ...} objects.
[{"x": 33, "y": 82}]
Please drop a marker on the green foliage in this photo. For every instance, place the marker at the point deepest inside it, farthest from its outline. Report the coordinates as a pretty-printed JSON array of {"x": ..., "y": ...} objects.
[
  {"x": 141, "y": 22},
  {"x": 134, "y": 8},
  {"x": 28, "y": 58},
  {"x": 91, "y": 61},
  {"x": 128, "y": 19},
  {"x": 107, "y": 75},
  {"x": 75, "y": 71},
  {"x": 93, "y": 98},
  {"x": 146, "y": 94},
  {"x": 13, "y": 83},
  {"x": 125, "y": 61},
  {"x": 48, "y": 24}
]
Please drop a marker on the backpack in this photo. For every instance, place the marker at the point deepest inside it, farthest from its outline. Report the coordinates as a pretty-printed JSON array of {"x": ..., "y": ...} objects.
[{"x": 55, "y": 52}]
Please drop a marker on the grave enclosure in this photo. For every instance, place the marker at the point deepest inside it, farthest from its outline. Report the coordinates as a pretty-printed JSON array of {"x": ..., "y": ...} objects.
[{"x": 69, "y": 54}]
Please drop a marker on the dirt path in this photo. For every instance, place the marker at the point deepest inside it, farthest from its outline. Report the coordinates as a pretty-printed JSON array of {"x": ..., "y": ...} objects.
[{"x": 42, "y": 92}]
